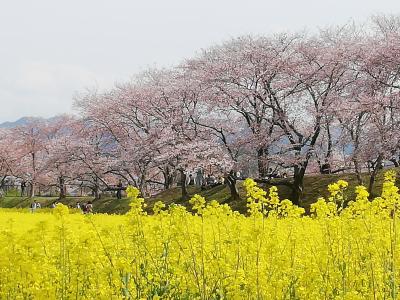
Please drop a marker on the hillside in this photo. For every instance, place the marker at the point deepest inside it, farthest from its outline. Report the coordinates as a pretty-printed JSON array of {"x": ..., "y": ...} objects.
[
  {"x": 315, "y": 186},
  {"x": 26, "y": 120}
]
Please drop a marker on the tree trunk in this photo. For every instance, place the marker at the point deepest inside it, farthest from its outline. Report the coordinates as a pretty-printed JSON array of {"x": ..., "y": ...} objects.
[
  {"x": 168, "y": 178},
  {"x": 96, "y": 189},
  {"x": 2, "y": 182},
  {"x": 298, "y": 184},
  {"x": 374, "y": 172},
  {"x": 32, "y": 190},
  {"x": 61, "y": 186},
  {"x": 33, "y": 183},
  {"x": 358, "y": 172},
  {"x": 330, "y": 144},
  {"x": 262, "y": 164},
  {"x": 142, "y": 185},
  {"x": 96, "y": 193},
  {"x": 185, "y": 194},
  {"x": 231, "y": 182}
]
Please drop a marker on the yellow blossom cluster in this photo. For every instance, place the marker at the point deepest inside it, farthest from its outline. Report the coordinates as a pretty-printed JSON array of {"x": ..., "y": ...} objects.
[
  {"x": 343, "y": 250},
  {"x": 259, "y": 205}
]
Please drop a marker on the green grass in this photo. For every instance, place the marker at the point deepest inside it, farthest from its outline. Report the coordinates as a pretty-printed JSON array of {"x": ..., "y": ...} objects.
[
  {"x": 314, "y": 186},
  {"x": 104, "y": 205}
]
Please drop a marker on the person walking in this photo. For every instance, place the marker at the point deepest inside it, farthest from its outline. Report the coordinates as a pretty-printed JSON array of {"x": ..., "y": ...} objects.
[
  {"x": 199, "y": 178},
  {"x": 119, "y": 189},
  {"x": 33, "y": 206},
  {"x": 23, "y": 186},
  {"x": 191, "y": 179}
]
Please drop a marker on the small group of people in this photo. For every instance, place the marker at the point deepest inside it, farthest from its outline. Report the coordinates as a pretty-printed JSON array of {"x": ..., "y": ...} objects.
[
  {"x": 275, "y": 174},
  {"x": 197, "y": 179},
  {"x": 86, "y": 208},
  {"x": 212, "y": 181},
  {"x": 35, "y": 205},
  {"x": 202, "y": 180}
]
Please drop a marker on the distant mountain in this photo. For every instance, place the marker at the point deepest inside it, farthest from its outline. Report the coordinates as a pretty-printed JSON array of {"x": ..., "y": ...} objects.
[
  {"x": 24, "y": 121},
  {"x": 19, "y": 122}
]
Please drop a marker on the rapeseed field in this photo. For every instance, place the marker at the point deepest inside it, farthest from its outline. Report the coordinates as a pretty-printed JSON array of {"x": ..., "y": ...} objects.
[{"x": 343, "y": 250}]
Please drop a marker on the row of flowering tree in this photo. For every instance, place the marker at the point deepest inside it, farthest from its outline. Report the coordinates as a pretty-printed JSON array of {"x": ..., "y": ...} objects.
[{"x": 300, "y": 102}]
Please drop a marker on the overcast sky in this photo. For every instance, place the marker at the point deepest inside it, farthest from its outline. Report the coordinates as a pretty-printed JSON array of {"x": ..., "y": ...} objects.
[{"x": 50, "y": 49}]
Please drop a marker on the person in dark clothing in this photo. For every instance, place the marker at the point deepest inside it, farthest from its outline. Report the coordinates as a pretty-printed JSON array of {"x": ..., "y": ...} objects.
[
  {"x": 23, "y": 186},
  {"x": 119, "y": 191},
  {"x": 191, "y": 179},
  {"x": 326, "y": 168}
]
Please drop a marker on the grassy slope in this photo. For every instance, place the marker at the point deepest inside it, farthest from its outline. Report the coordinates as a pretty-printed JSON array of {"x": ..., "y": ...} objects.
[
  {"x": 315, "y": 186},
  {"x": 106, "y": 205}
]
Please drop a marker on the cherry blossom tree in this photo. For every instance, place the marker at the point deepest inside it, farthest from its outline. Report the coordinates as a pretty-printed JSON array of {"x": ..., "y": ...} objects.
[
  {"x": 30, "y": 149},
  {"x": 8, "y": 159},
  {"x": 302, "y": 102},
  {"x": 279, "y": 88}
]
